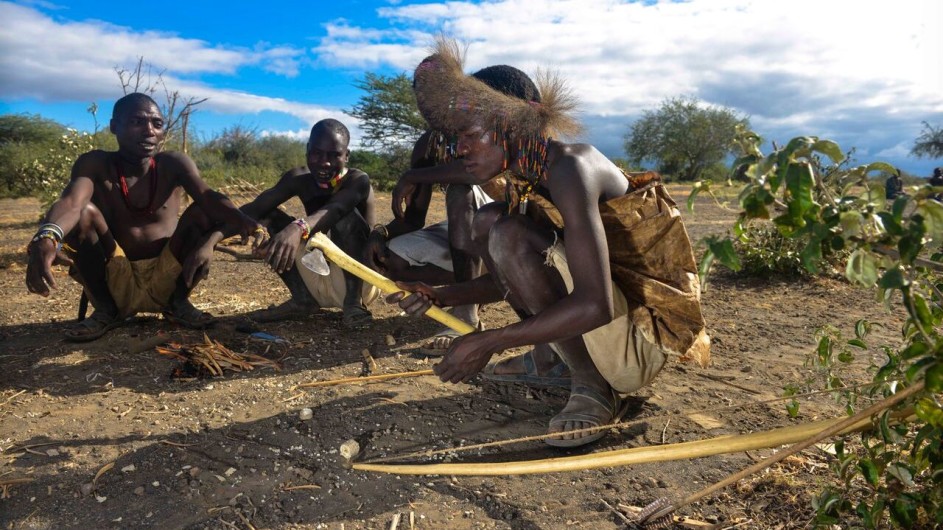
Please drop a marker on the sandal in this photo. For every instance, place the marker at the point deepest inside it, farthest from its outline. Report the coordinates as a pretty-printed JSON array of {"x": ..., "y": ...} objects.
[
  {"x": 92, "y": 327},
  {"x": 356, "y": 317},
  {"x": 190, "y": 317},
  {"x": 557, "y": 376},
  {"x": 592, "y": 409}
]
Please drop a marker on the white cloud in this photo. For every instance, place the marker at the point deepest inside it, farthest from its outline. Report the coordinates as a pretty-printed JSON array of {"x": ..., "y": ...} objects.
[
  {"x": 75, "y": 61},
  {"x": 794, "y": 67}
]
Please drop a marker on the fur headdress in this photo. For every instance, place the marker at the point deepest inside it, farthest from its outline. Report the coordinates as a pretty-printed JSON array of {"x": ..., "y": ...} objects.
[{"x": 449, "y": 100}]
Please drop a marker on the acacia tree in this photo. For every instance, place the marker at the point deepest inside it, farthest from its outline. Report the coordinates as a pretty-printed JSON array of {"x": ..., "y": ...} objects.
[
  {"x": 388, "y": 113},
  {"x": 683, "y": 137},
  {"x": 930, "y": 142}
]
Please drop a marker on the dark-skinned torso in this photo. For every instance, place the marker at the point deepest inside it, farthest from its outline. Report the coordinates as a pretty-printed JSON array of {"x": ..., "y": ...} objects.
[{"x": 141, "y": 232}]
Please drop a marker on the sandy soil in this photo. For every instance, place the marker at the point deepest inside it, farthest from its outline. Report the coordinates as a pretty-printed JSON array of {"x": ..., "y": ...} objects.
[{"x": 104, "y": 437}]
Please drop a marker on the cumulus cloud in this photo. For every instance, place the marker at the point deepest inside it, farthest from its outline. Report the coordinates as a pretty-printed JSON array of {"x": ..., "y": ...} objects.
[
  {"x": 803, "y": 67},
  {"x": 49, "y": 61}
]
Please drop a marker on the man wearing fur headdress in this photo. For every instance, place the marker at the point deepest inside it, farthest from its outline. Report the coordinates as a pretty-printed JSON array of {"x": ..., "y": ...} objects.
[{"x": 627, "y": 297}]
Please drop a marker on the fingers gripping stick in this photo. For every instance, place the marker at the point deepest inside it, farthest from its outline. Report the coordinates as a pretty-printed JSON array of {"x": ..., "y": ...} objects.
[{"x": 321, "y": 242}]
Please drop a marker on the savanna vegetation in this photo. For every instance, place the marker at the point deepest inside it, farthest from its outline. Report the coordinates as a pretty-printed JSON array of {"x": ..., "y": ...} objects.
[{"x": 805, "y": 209}]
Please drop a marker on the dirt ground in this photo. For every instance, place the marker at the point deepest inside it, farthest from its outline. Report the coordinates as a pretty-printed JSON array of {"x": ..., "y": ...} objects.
[{"x": 99, "y": 435}]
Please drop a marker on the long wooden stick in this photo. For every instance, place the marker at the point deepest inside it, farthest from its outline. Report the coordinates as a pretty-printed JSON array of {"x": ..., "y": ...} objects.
[
  {"x": 623, "y": 457},
  {"x": 829, "y": 431},
  {"x": 365, "y": 379},
  {"x": 339, "y": 257}
]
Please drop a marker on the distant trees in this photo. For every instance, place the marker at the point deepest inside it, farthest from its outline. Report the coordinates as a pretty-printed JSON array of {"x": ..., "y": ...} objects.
[
  {"x": 683, "y": 137},
  {"x": 930, "y": 142},
  {"x": 388, "y": 113}
]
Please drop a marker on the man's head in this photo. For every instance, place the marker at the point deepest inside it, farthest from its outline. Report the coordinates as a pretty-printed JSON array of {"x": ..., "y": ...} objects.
[
  {"x": 509, "y": 80},
  {"x": 938, "y": 172},
  {"x": 327, "y": 151},
  {"x": 138, "y": 125}
]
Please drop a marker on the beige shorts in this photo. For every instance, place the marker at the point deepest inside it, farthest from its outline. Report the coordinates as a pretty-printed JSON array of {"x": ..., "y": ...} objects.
[
  {"x": 620, "y": 352},
  {"x": 144, "y": 285},
  {"x": 329, "y": 290}
]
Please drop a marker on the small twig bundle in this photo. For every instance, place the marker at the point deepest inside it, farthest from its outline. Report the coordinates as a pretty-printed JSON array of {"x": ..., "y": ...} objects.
[{"x": 212, "y": 359}]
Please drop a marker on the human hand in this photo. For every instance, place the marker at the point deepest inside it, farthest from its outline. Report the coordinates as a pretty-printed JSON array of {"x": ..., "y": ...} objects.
[
  {"x": 41, "y": 253},
  {"x": 249, "y": 228},
  {"x": 279, "y": 252},
  {"x": 376, "y": 252},
  {"x": 403, "y": 194},
  {"x": 467, "y": 356},
  {"x": 416, "y": 297}
]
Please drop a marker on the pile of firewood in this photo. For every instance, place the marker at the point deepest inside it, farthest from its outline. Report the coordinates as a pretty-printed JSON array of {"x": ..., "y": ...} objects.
[{"x": 211, "y": 359}]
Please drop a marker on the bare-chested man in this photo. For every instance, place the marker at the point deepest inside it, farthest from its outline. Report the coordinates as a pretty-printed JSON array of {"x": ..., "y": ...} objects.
[
  {"x": 405, "y": 249},
  {"x": 627, "y": 296},
  {"x": 338, "y": 201},
  {"x": 120, "y": 215}
]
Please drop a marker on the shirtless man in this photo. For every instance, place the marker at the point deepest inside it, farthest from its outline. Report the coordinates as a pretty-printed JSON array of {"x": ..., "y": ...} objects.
[
  {"x": 628, "y": 297},
  {"x": 338, "y": 201},
  {"x": 407, "y": 250},
  {"x": 120, "y": 215}
]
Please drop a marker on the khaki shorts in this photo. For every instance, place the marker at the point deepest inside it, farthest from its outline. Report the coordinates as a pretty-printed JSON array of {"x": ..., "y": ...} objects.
[
  {"x": 624, "y": 357},
  {"x": 329, "y": 290},
  {"x": 144, "y": 285},
  {"x": 430, "y": 245}
]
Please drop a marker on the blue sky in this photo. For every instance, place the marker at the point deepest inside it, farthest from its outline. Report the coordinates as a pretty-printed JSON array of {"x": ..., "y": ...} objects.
[{"x": 864, "y": 73}]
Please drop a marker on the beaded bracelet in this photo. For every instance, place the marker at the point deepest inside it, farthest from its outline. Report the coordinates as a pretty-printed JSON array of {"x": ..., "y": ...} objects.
[{"x": 305, "y": 228}]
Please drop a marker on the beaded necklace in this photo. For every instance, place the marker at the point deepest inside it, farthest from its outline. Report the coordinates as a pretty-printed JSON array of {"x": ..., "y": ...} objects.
[
  {"x": 152, "y": 172},
  {"x": 334, "y": 182}
]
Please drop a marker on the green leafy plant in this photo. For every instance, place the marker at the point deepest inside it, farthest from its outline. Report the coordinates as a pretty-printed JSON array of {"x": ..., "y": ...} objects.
[{"x": 894, "y": 474}]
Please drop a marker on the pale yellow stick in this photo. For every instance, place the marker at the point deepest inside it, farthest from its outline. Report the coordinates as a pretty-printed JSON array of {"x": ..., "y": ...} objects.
[
  {"x": 623, "y": 457},
  {"x": 338, "y": 256}
]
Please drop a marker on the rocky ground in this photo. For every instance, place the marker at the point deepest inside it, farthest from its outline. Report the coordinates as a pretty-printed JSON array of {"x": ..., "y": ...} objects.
[{"x": 100, "y": 435}]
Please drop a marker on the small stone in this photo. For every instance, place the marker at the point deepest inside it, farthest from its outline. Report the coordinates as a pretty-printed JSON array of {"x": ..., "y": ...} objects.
[
  {"x": 87, "y": 489},
  {"x": 156, "y": 484},
  {"x": 194, "y": 471},
  {"x": 390, "y": 341},
  {"x": 350, "y": 449},
  {"x": 139, "y": 490},
  {"x": 230, "y": 471},
  {"x": 52, "y": 452},
  {"x": 100, "y": 498},
  {"x": 305, "y": 414},
  {"x": 128, "y": 468}
]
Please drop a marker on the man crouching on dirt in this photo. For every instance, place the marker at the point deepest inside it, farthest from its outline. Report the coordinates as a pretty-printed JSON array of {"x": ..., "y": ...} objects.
[
  {"x": 338, "y": 201},
  {"x": 119, "y": 221},
  {"x": 629, "y": 293}
]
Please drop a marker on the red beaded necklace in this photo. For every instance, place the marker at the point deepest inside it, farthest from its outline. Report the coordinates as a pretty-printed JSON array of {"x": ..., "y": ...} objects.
[{"x": 152, "y": 172}]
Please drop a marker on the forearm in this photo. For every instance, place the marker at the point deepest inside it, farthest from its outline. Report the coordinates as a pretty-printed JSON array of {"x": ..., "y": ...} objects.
[
  {"x": 450, "y": 173},
  {"x": 481, "y": 290}
]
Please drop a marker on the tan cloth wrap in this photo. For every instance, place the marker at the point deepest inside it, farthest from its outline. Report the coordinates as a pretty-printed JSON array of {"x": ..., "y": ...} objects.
[
  {"x": 329, "y": 290},
  {"x": 144, "y": 285},
  {"x": 652, "y": 262},
  {"x": 619, "y": 349}
]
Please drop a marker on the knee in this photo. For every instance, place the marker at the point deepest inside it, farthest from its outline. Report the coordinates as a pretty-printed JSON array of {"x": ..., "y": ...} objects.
[
  {"x": 352, "y": 227},
  {"x": 507, "y": 240},
  {"x": 91, "y": 223},
  {"x": 484, "y": 219}
]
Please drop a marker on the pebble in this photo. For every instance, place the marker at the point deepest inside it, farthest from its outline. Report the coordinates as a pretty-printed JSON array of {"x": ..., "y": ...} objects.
[
  {"x": 390, "y": 341},
  {"x": 87, "y": 489},
  {"x": 52, "y": 452},
  {"x": 305, "y": 414},
  {"x": 139, "y": 490},
  {"x": 194, "y": 471}
]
